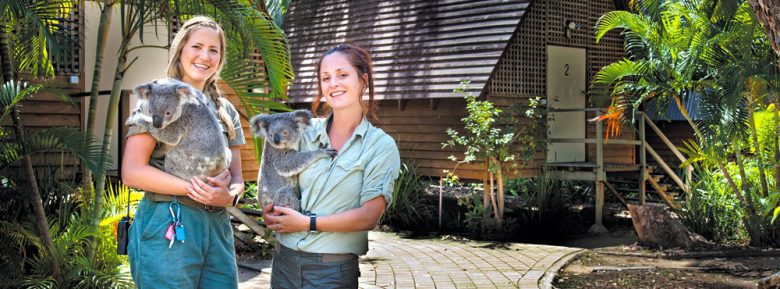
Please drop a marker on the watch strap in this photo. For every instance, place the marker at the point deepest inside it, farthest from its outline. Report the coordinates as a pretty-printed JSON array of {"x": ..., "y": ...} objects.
[
  {"x": 236, "y": 198},
  {"x": 312, "y": 223}
]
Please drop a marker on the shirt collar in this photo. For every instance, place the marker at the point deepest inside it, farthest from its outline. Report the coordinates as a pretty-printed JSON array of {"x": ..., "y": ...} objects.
[{"x": 322, "y": 132}]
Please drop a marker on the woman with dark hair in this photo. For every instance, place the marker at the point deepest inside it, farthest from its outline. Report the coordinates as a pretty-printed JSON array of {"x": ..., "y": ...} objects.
[
  {"x": 341, "y": 198},
  {"x": 206, "y": 257}
]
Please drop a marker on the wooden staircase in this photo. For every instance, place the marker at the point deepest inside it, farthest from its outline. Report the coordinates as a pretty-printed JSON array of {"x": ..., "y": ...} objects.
[{"x": 624, "y": 181}]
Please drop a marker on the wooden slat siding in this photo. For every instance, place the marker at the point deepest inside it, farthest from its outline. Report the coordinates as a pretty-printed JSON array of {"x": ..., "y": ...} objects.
[
  {"x": 420, "y": 48},
  {"x": 521, "y": 72},
  {"x": 249, "y": 162}
]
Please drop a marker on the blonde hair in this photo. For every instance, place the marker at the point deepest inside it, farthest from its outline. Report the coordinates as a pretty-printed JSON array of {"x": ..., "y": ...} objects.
[{"x": 176, "y": 71}]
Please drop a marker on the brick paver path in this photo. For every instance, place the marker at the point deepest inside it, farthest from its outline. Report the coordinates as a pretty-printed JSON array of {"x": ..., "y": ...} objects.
[{"x": 395, "y": 262}]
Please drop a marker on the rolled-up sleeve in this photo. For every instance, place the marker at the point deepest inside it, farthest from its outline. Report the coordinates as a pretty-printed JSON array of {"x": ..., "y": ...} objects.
[{"x": 382, "y": 171}]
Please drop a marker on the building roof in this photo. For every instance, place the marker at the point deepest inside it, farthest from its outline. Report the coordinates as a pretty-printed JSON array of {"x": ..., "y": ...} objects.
[{"x": 420, "y": 48}]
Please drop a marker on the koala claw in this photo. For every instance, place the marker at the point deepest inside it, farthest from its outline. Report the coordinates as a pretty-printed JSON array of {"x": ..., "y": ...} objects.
[
  {"x": 323, "y": 145},
  {"x": 331, "y": 152}
]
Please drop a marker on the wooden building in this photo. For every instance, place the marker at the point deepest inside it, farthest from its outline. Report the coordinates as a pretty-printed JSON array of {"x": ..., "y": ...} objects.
[{"x": 423, "y": 49}]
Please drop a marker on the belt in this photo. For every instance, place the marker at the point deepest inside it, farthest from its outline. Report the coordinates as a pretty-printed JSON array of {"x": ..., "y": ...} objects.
[
  {"x": 184, "y": 200},
  {"x": 324, "y": 257}
]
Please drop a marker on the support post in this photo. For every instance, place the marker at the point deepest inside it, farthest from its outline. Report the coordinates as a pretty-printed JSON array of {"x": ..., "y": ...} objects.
[
  {"x": 642, "y": 159},
  {"x": 598, "y": 227}
]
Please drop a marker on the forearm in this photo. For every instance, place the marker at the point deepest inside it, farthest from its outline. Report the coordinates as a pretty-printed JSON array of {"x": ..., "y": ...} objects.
[
  {"x": 151, "y": 179},
  {"x": 363, "y": 218},
  {"x": 236, "y": 185}
]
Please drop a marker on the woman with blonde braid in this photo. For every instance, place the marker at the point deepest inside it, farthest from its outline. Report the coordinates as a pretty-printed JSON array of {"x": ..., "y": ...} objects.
[{"x": 206, "y": 259}]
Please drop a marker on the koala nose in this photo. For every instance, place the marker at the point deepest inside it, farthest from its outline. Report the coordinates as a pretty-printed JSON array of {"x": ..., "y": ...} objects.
[
  {"x": 157, "y": 121},
  {"x": 277, "y": 138}
]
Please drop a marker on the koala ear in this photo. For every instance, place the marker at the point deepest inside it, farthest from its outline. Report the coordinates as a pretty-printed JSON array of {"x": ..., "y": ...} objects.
[
  {"x": 302, "y": 116},
  {"x": 143, "y": 90},
  {"x": 186, "y": 94},
  {"x": 259, "y": 125}
]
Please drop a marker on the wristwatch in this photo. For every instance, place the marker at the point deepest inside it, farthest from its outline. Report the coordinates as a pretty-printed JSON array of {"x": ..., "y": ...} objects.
[
  {"x": 235, "y": 199},
  {"x": 312, "y": 223}
]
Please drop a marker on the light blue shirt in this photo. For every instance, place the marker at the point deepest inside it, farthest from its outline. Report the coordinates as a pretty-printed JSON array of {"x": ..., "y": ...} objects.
[{"x": 365, "y": 168}]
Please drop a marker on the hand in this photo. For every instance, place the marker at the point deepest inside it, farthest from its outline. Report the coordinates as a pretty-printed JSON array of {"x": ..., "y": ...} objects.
[
  {"x": 224, "y": 176},
  {"x": 284, "y": 220},
  {"x": 213, "y": 193}
]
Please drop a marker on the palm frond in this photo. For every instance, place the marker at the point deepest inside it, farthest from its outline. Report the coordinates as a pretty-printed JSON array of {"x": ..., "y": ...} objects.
[
  {"x": 38, "y": 34},
  {"x": 58, "y": 139},
  {"x": 12, "y": 92}
]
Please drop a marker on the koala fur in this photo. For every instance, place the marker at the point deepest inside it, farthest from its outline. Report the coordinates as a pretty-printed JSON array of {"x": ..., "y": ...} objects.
[
  {"x": 281, "y": 162},
  {"x": 177, "y": 114}
]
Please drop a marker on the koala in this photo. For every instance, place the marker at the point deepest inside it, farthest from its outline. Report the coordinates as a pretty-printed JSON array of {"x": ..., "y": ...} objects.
[
  {"x": 177, "y": 114},
  {"x": 281, "y": 161}
]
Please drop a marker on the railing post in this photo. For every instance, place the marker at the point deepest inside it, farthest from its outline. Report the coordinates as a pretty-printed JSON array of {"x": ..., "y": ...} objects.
[
  {"x": 642, "y": 158},
  {"x": 598, "y": 227}
]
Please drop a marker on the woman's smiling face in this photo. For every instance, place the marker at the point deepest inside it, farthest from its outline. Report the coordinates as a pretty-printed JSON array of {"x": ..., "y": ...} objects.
[
  {"x": 200, "y": 56},
  {"x": 340, "y": 82}
]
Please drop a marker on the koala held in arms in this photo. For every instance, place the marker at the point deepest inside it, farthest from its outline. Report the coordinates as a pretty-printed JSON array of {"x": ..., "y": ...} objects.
[
  {"x": 178, "y": 116},
  {"x": 277, "y": 181}
]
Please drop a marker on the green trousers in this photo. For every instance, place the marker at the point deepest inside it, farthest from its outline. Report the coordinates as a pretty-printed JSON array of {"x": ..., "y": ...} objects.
[{"x": 206, "y": 258}]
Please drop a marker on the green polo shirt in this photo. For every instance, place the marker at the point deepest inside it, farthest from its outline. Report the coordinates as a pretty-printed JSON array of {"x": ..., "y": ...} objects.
[
  {"x": 365, "y": 168},
  {"x": 157, "y": 159}
]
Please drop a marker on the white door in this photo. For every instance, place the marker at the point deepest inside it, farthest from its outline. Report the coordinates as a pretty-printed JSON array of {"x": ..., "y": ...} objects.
[{"x": 565, "y": 90}]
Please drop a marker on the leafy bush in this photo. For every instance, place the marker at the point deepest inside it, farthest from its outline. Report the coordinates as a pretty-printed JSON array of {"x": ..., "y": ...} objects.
[
  {"x": 26, "y": 263},
  {"x": 547, "y": 212},
  {"x": 712, "y": 211},
  {"x": 410, "y": 210}
]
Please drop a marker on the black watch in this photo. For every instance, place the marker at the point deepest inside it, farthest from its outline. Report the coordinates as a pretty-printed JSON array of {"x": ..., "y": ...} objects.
[
  {"x": 312, "y": 223},
  {"x": 236, "y": 198}
]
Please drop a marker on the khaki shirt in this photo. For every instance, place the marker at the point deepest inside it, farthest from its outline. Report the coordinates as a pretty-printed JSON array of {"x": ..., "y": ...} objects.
[
  {"x": 157, "y": 159},
  {"x": 365, "y": 168}
]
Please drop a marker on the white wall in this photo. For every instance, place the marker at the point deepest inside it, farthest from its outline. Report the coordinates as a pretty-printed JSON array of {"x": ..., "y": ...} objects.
[{"x": 151, "y": 64}]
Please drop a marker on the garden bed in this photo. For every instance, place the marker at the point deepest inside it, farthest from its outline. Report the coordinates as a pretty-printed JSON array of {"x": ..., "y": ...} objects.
[{"x": 636, "y": 267}]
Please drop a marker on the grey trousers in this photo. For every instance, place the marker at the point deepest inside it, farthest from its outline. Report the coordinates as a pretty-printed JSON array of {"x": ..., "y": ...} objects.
[{"x": 296, "y": 269}]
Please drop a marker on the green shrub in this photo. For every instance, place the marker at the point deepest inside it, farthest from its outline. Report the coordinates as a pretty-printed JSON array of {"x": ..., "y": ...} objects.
[
  {"x": 712, "y": 211},
  {"x": 410, "y": 209}
]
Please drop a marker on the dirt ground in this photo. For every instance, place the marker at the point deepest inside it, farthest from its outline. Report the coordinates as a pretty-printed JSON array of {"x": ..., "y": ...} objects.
[{"x": 610, "y": 265}]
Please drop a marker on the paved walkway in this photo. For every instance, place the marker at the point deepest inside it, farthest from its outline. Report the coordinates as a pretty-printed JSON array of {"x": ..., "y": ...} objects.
[{"x": 395, "y": 262}]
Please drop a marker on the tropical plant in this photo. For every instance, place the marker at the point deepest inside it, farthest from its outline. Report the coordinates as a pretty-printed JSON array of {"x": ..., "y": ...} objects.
[
  {"x": 410, "y": 210},
  {"x": 27, "y": 263},
  {"x": 710, "y": 48},
  {"x": 35, "y": 36},
  {"x": 486, "y": 141},
  {"x": 712, "y": 212}
]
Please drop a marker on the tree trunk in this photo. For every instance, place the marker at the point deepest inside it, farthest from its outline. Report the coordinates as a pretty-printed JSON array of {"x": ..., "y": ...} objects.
[
  {"x": 501, "y": 195},
  {"x": 768, "y": 12},
  {"x": 102, "y": 36},
  {"x": 35, "y": 196},
  {"x": 113, "y": 104},
  {"x": 756, "y": 146}
]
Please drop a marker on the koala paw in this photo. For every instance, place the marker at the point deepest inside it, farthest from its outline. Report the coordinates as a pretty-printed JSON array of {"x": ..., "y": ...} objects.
[{"x": 330, "y": 152}]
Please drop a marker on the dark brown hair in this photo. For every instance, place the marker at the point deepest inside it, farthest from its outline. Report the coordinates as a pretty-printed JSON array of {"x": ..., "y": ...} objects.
[{"x": 361, "y": 61}]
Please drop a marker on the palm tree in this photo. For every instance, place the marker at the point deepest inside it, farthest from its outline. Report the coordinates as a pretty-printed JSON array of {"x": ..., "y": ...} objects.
[
  {"x": 36, "y": 37},
  {"x": 707, "y": 47}
]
